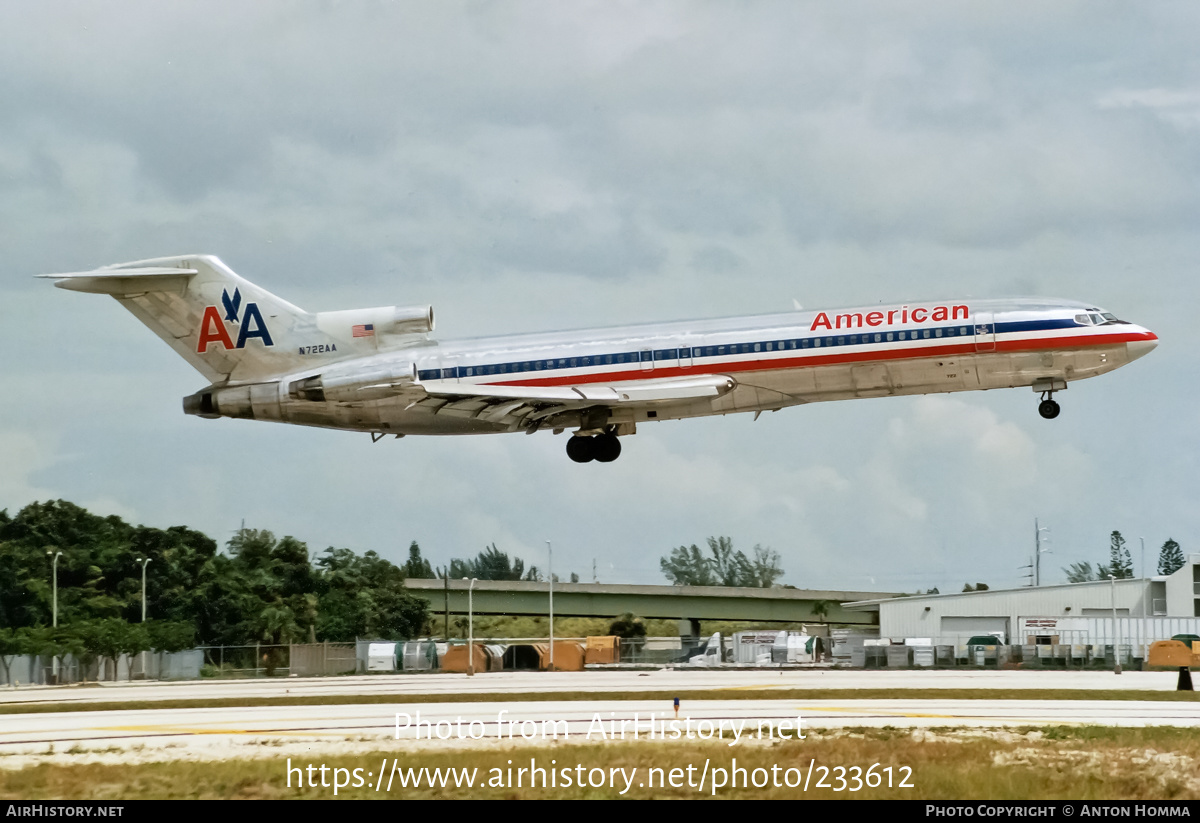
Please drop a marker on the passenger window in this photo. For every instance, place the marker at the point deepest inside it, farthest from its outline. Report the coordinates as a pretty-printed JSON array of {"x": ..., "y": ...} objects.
[
  {"x": 841, "y": 341},
  {"x": 758, "y": 346},
  {"x": 937, "y": 332},
  {"x": 890, "y": 337},
  {"x": 817, "y": 342},
  {"x": 926, "y": 334},
  {"x": 879, "y": 338},
  {"x": 769, "y": 345}
]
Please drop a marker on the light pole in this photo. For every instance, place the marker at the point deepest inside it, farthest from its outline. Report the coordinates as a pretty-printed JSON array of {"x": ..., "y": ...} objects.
[
  {"x": 550, "y": 568},
  {"x": 144, "y": 563},
  {"x": 1116, "y": 648},
  {"x": 54, "y": 607},
  {"x": 1145, "y": 598},
  {"x": 470, "y": 627},
  {"x": 54, "y": 570}
]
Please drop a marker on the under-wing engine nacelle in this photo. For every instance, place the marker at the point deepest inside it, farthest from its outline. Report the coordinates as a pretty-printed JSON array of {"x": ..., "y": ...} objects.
[
  {"x": 375, "y": 322},
  {"x": 353, "y": 384}
]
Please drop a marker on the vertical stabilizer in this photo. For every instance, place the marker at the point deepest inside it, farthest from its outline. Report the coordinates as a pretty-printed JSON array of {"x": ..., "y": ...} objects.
[{"x": 229, "y": 329}]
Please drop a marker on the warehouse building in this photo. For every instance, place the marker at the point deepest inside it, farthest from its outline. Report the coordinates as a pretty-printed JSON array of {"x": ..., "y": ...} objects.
[{"x": 1132, "y": 612}]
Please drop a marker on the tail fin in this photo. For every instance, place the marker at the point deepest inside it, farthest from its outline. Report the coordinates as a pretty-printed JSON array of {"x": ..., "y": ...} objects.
[{"x": 229, "y": 329}]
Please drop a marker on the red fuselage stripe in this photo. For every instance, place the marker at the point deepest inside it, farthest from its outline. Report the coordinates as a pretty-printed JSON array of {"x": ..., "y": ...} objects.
[{"x": 813, "y": 360}]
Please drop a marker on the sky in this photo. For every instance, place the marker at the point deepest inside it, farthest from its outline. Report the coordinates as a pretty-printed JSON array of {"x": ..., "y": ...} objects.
[{"x": 532, "y": 166}]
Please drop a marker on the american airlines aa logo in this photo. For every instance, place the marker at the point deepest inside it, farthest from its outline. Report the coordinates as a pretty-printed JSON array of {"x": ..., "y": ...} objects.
[{"x": 249, "y": 324}]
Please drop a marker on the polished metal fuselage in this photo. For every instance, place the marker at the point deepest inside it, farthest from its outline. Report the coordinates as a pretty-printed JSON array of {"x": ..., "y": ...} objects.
[{"x": 775, "y": 361}]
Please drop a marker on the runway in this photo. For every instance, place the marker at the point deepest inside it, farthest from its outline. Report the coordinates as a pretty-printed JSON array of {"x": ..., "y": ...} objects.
[
  {"x": 599, "y": 682},
  {"x": 406, "y": 725},
  {"x": 121, "y": 734}
]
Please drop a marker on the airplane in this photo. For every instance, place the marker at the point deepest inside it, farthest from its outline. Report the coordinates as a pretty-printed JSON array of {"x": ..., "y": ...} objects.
[{"x": 377, "y": 370}]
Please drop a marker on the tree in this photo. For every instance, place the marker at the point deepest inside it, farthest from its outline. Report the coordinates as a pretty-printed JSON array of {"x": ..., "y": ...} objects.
[
  {"x": 1170, "y": 558},
  {"x": 764, "y": 568},
  {"x": 1081, "y": 572},
  {"x": 491, "y": 564},
  {"x": 821, "y": 609},
  {"x": 1120, "y": 563},
  {"x": 687, "y": 566},
  {"x": 628, "y": 627},
  {"x": 417, "y": 567},
  {"x": 978, "y": 587}
]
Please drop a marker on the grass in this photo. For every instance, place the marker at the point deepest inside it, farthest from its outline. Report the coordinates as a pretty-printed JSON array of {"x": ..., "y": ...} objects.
[
  {"x": 744, "y": 693},
  {"x": 1079, "y": 763}
]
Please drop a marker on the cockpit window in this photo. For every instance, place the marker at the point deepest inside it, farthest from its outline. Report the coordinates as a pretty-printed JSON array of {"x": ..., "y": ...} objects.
[{"x": 1096, "y": 317}]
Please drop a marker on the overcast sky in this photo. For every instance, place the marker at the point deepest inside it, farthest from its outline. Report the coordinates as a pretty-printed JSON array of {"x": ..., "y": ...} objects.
[{"x": 551, "y": 165}]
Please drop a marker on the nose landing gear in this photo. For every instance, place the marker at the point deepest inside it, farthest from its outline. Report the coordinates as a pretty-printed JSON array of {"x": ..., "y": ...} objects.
[
  {"x": 1049, "y": 407},
  {"x": 1046, "y": 387}
]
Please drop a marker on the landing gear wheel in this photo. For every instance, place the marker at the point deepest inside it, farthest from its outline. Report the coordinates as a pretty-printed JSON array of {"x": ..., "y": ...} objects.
[
  {"x": 1049, "y": 409},
  {"x": 606, "y": 448},
  {"x": 581, "y": 449}
]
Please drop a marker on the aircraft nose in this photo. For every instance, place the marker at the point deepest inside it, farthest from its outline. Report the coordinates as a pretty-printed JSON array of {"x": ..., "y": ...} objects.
[{"x": 1147, "y": 341}]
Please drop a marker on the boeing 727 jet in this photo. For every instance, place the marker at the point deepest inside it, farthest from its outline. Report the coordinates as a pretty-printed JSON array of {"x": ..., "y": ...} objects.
[{"x": 378, "y": 370}]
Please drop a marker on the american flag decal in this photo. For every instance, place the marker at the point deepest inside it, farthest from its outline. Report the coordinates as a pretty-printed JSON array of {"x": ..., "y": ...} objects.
[{"x": 365, "y": 330}]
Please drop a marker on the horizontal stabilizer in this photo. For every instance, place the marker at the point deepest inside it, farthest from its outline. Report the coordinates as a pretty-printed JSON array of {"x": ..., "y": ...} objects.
[{"x": 117, "y": 280}]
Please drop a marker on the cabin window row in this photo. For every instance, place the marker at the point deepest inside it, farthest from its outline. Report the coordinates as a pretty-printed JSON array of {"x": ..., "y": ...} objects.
[{"x": 660, "y": 355}]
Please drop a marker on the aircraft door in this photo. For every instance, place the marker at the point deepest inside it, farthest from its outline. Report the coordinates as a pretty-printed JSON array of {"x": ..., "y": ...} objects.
[
  {"x": 686, "y": 347},
  {"x": 985, "y": 331}
]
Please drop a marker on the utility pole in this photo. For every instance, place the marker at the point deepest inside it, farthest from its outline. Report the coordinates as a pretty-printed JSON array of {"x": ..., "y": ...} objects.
[
  {"x": 1029, "y": 574},
  {"x": 470, "y": 627},
  {"x": 1037, "y": 542}
]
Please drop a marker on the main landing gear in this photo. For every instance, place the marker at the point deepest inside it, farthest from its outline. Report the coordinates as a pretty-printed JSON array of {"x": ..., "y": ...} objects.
[
  {"x": 1048, "y": 408},
  {"x": 603, "y": 448}
]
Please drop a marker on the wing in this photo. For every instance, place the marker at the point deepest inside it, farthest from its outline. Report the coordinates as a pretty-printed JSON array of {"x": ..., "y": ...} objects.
[{"x": 534, "y": 407}]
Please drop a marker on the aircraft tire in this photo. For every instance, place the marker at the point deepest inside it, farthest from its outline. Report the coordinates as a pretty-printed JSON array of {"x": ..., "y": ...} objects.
[
  {"x": 607, "y": 448},
  {"x": 1049, "y": 409},
  {"x": 581, "y": 449}
]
